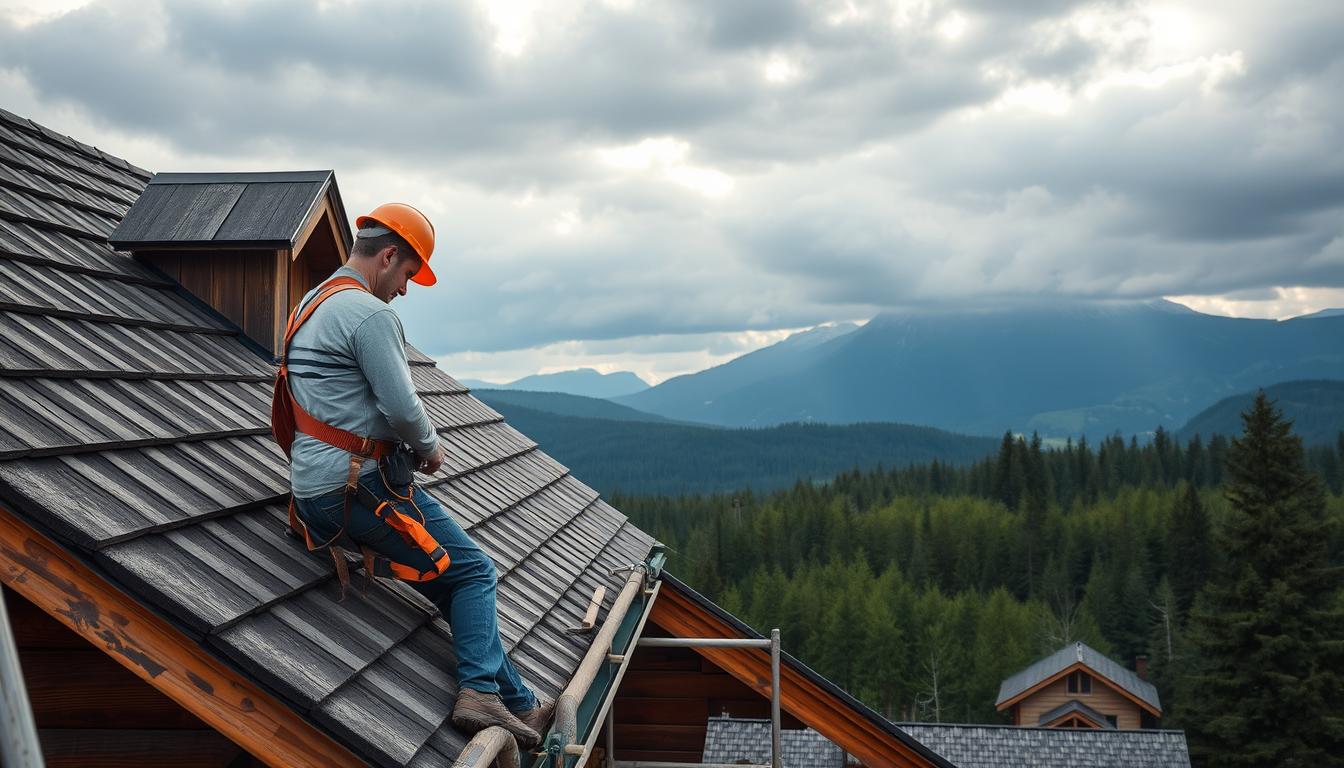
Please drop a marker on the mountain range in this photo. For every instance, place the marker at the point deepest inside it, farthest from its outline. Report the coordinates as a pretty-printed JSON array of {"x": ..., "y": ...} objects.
[
  {"x": 1061, "y": 369},
  {"x": 582, "y": 381},
  {"x": 1316, "y": 409}
]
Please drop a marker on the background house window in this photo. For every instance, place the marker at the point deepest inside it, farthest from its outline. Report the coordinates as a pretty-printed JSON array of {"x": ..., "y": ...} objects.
[{"x": 1080, "y": 682}]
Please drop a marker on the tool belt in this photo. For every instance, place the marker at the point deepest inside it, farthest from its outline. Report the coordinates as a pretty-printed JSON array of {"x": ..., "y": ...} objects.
[{"x": 396, "y": 465}]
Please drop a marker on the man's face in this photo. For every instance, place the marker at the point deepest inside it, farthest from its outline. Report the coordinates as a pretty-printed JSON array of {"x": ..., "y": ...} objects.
[{"x": 395, "y": 271}]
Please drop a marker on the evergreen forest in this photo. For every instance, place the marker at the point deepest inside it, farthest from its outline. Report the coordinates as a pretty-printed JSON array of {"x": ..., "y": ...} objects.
[{"x": 919, "y": 589}]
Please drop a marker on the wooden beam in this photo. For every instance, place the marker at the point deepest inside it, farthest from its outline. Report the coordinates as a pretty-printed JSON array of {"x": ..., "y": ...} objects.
[
  {"x": 799, "y": 695},
  {"x": 69, "y": 591}
]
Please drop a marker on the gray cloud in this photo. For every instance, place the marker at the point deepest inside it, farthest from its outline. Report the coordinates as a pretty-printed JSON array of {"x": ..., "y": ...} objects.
[{"x": 905, "y": 155}]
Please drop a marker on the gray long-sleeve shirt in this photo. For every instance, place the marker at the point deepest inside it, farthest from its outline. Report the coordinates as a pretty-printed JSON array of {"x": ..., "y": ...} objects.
[{"x": 348, "y": 368}]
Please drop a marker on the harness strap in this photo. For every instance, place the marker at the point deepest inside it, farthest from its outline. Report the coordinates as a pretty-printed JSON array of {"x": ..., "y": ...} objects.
[
  {"x": 412, "y": 531},
  {"x": 307, "y": 423}
]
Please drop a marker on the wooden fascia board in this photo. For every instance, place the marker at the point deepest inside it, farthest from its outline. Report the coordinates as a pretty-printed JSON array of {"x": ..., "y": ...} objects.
[
  {"x": 1077, "y": 665},
  {"x": 323, "y": 212},
  {"x": 69, "y": 591},
  {"x": 800, "y": 696}
]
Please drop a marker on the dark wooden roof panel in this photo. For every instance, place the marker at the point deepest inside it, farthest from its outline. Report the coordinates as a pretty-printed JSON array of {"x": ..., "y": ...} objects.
[
  {"x": 396, "y": 703},
  {"x": 62, "y": 346},
  {"x": 58, "y": 248},
  {"x": 78, "y": 413},
  {"x": 309, "y": 645},
  {"x": 431, "y": 379},
  {"x": 269, "y": 211},
  {"x": 111, "y": 495},
  {"x": 72, "y": 164},
  {"x": 211, "y": 573}
]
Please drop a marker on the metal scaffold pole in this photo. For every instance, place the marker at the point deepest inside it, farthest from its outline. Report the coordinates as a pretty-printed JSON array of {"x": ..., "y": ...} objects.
[{"x": 19, "y": 747}]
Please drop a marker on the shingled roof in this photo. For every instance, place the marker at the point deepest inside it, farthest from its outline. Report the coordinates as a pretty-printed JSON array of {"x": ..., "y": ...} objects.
[
  {"x": 134, "y": 430},
  {"x": 1006, "y": 746},
  {"x": 735, "y": 740},
  {"x": 1072, "y": 655},
  {"x": 179, "y": 209}
]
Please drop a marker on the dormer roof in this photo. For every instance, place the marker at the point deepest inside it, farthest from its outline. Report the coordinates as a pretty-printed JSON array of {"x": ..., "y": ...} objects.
[
  {"x": 262, "y": 210},
  {"x": 1074, "y": 656}
]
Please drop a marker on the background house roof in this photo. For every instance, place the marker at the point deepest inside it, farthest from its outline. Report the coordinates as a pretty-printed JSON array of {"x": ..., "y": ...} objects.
[
  {"x": 1005, "y": 746},
  {"x": 734, "y": 740},
  {"x": 1075, "y": 653},
  {"x": 134, "y": 429},
  {"x": 178, "y": 209},
  {"x": 1073, "y": 706}
]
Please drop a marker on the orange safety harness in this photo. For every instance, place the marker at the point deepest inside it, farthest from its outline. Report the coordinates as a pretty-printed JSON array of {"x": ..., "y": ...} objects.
[{"x": 288, "y": 417}]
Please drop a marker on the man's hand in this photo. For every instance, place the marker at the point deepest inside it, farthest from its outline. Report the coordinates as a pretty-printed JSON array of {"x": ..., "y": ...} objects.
[{"x": 431, "y": 464}]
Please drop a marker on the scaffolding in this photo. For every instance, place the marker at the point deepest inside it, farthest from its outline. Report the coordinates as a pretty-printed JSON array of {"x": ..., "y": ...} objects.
[{"x": 709, "y": 642}]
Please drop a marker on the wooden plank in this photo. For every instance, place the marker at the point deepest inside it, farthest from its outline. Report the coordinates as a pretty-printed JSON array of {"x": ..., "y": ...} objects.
[
  {"x": 253, "y": 211},
  {"x": 85, "y": 689},
  {"x": 207, "y": 211},
  {"x": 259, "y": 278},
  {"x": 69, "y": 591},
  {"x": 818, "y": 708},
  {"x": 35, "y": 629},
  {"x": 661, "y": 737},
  {"x": 181, "y": 199},
  {"x": 139, "y": 749},
  {"x": 228, "y": 290},
  {"x": 196, "y": 275},
  {"x": 678, "y": 684},
  {"x": 648, "y": 710}
]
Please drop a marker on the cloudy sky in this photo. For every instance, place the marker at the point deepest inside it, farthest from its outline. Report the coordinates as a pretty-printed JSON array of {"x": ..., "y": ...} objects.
[{"x": 659, "y": 186}]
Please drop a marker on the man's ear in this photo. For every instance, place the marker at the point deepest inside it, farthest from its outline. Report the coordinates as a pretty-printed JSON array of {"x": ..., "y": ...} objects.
[{"x": 387, "y": 255}]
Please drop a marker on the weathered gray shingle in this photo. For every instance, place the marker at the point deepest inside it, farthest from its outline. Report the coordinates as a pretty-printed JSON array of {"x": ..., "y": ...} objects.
[
  {"x": 1004, "y": 746},
  {"x": 735, "y": 740},
  {"x": 731, "y": 740}
]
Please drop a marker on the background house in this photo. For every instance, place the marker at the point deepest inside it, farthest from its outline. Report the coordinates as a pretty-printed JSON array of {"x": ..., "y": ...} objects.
[{"x": 1077, "y": 687}]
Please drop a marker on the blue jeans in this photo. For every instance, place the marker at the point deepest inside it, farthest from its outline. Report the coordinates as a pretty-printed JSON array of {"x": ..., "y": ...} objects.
[{"x": 464, "y": 594}]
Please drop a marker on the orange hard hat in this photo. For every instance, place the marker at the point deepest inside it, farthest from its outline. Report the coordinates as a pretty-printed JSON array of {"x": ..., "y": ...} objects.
[{"x": 413, "y": 227}]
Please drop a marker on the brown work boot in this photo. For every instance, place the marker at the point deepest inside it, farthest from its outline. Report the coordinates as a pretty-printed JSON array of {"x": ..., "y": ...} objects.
[
  {"x": 538, "y": 717},
  {"x": 475, "y": 711}
]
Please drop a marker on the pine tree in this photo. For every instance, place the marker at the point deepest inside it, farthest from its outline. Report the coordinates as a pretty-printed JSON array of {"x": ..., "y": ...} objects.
[
  {"x": 1189, "y": 550},
  {"x": 1266, "y": 630}
]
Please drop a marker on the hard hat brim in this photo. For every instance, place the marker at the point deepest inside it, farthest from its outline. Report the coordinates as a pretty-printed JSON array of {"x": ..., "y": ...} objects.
[{"x": 425, "y": 276}]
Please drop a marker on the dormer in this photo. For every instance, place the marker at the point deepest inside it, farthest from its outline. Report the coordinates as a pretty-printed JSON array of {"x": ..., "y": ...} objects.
[{"x": 248, "y": 244}]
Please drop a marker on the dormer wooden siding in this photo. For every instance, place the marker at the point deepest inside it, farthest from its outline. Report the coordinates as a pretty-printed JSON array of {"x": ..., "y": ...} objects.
[{"x": 248, "y": 244}]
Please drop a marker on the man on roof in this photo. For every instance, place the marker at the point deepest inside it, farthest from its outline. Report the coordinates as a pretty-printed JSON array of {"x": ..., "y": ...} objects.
[{"x": 345, "y": 399}]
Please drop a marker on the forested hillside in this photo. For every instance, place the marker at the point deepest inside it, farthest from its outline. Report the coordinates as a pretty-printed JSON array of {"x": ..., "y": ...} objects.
[
  {"x": 1316, "y": 409},
  {"x": 675, "y": 458},
  {"x": 919, "y": 589}
]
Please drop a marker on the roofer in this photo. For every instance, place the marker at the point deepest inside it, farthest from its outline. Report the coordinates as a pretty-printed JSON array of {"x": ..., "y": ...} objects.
[{"x": 349, "y": 387}]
